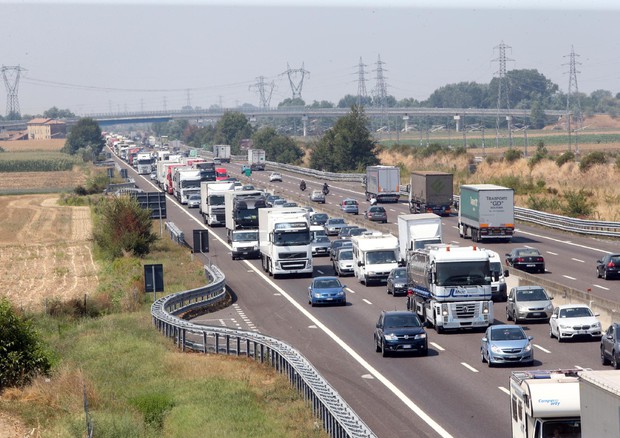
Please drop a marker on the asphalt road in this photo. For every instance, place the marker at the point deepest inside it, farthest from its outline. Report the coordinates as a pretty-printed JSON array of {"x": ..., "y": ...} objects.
[{"x": 449, "y": 392}]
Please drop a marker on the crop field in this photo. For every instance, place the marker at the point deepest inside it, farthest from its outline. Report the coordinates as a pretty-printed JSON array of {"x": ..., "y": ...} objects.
[{"x": 33, "y": 145}]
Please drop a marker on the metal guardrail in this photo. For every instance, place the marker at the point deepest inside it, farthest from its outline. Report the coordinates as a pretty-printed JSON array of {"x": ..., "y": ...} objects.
[
  {"x": 337, "y": 417},
  {"x": 176, "y": 233}
]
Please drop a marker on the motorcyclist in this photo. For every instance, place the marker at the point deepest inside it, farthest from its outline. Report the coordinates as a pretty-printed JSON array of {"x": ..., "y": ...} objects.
[
  {"x": 302, "y": 185},
  {"x": 325, "y": 189}
]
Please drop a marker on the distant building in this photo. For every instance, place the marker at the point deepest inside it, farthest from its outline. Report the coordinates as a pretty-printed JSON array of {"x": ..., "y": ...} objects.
[{"x": 46, "y": 129}]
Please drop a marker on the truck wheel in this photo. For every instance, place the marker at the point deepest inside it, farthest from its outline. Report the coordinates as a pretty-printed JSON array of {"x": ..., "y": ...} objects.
[{"x": 439, "y": 329}]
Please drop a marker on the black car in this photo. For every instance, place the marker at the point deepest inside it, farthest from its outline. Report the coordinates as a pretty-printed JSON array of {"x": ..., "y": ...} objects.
[
  {"x": 526, "y": 259},
  {"x": 345, "y": 232},
  {"x": 397, "y": 282},
  {"x": 358, "y": 231},
  {"x": 400, "y": 331},
  {"x": 338, "y": 244},
  {"x": 318, "y": 218},
  {"x": 610, "y": 346},
  {"x": 608, "y": 267}
]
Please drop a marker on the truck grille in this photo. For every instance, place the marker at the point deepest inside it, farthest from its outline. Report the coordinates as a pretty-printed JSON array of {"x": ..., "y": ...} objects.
[
  {"x": 220, "y": 217},
  {"x": 292, "y": 255},
  {"x": 465, "y": 310},
  {"x": 292, "y": 266}
]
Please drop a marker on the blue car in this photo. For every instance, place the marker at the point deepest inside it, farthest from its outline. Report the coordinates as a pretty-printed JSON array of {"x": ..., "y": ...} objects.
[
  {"x": 506, "y": 344},
  {"x": 326, "y": 290}
]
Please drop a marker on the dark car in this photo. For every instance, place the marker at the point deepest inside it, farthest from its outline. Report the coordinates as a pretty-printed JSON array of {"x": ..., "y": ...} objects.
[
  {"x": 397, "y": 282},
  {"x": 376, "y": 214},
  {"x": 345, "y": 232},
  {"x": 400, "y": 331},
  {"x": 608, "y": 267},
  {"x": 318, "y": 218},
  {"x": 357, "y": 231},
  {"x": 526, "y": 259},
  {"x": 326, "y": 290},
  {"x": 337, "y": 244},
  {"x": 610, "y": 346},
  {"x": 269, "y": 200}
]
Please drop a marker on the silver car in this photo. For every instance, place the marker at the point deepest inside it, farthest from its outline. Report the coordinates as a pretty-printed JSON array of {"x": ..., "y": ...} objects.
[
  {"x": 333, "y": 226},
  {"x": 528, "y": 303},
  {"x": 320, "y": 246},
  {"x": 317, "y": 196},
  {"x": 506, "y": 344},
  {"x": 343, "y": 262},
  {"x": 193, "y": 201}
]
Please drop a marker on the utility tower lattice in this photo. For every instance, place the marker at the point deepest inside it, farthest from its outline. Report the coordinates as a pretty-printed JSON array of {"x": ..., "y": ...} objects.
[
  {"x": 293, "y": 73},
  {"x": 361, "y": 83},
  {"x": 574, "y": 106},
  {"x": 502, "y": 84},
  {"x": 380, "y": 91},
  {"x": 11, "y": 82},
  {"x": 265, "y": 90}
]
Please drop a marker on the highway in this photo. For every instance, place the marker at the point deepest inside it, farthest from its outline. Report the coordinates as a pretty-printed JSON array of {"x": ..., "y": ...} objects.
[{"x": 449, "y": 392}]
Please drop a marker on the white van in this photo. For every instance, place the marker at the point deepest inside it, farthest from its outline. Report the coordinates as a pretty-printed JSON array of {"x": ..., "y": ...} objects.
[
  {"x": 374, "y": 257},
  {"x": 499, "y": 288}
]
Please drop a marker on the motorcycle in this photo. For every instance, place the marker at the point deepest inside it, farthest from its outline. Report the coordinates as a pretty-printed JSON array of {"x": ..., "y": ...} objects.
[
  {"x": 325, "y": 190},
  {"x": 302, "y": 186}
]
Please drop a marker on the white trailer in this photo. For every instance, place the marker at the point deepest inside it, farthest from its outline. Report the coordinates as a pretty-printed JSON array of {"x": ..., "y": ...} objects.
[
  {"x": 242, "y": 209},
  {"x": 284, "y": 241},
  {"x": 374, "y": 257},
  {"x": 221, "y": 152},
  {"x": 486, "y": 212},
  {"x": 383, "y": 183},
  {"x": 599, "y": 395},
  {"x": 212, "y": 201},
  {"x": 185, "y": 181},
  {"x": 544, "y": 403},
  {"x": 256, "y": 159},
  {"x": 417, "y": 230}
]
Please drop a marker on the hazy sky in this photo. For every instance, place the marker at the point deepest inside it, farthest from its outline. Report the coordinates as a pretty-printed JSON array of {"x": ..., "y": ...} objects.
[{"x": 95, "y": 57}]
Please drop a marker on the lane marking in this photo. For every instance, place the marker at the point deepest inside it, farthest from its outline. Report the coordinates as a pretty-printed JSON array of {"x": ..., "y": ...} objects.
[
  {"x": 320, "y": 272},
  {"x": 437, "y": 346},
  {"x": 366, "y": 301},
  {"x": 577, "y": 260},
  {"x": 578, "y": 367},
  {"x": 350, "y": 290},
  {"x": 368, "y": 376},
  {"x": 600, "y": 287},
  {"x": 501, "y": 388},
  {"x": 569, "y": 277},
  {"x": 544, "y": 350},
  {"x": 567, "y": 242},
  {"x": 312, "y": 326},
  {"x": 469, "y": 367},
  {"x": 551, "y": 252}
]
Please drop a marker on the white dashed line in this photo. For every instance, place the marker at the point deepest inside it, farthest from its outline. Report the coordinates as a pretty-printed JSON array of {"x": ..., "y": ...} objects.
[
  {"x": 350, "y": 290},
  {"x": 366, "y": 301},
  {"x": 312, "y": 326},
  {"x": 320, "y": 272},
  {"x": 469, "y": 367},
  {"x": 600, "y": 287},
  {"x": 569, "y": 277},
  {"x": 438, "y": 347},
  {"x": 578, "y": 367},
  {"x": 501, "y": 388},
  {"x": 577, "y": 260},
  {"x": 544, "y": 350},
  {"x": 552, "y": 253}
]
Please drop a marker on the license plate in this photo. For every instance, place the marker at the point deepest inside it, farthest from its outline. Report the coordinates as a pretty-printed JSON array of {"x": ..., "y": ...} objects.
[
  {"x": 406, "y": 347},
  {"x": 583, "y": 332},
  {"x": 329, "y": 299},
  {"x": 530, "y": 266},
  {"x": 511, "y": 357},
  {"x": 536, "y": 314}
]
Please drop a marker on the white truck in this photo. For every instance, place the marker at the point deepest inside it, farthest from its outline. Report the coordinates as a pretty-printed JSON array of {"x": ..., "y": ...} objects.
[
  {"x": 284, "y": 241},
  {"x": 545, "y": 403},
  {"x": 185, "y": 182},
  {"x": 374, "y": 257},
  {"x": 417, "y": 230},
  {"x": 383, "y": 183},
  {"x": 221, "y": 152},
  {"x": 499, "y": 289},
  {"x": 256, "y": 159},
  {"x": 486, "y": 212},
  {"x": 212, "y": 201},
  {"x": 450, "y": 286},
  {"x": 162, "y": 171},
  {"x": 599, "y": 396},
  {"x": 242, "y": 207},
  {"x": 145, "y": 163}
]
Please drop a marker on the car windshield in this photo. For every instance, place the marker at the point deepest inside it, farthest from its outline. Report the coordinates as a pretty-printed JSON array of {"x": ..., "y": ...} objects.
[
  {"x": 575, "y": 312},
  {"x": 345, "y": 254},
  {"x": 350, "y": 202},
  {"x": 319, "y": 217},
  {"x": 392, "y": 321},
  {"x": 532, "y": 295},
  {"x": 194, "y": 197},
  {"x": 377, "y": 209},
  {"x": 321, "y": 239},
  {"x": 380, "y": 257},
  {"x": 615, "y": 260},
  {"x": 326, "y": 283},
  {"x": 336, "y": 221},
  {"x": 245, "y": 236},
  {"x": 399, "y": 273},
  {"x": 357, "y": 231},
  {"x": 507, "y": 334}
]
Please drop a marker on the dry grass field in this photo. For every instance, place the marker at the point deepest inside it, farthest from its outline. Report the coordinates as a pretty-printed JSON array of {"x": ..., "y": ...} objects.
[{"x": 32, "y": 145}]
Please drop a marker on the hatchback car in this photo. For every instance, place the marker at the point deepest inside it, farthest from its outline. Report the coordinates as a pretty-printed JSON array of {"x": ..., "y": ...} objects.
[
  {"x": 350, "y": 206},
  {"x": 572, "y": 321},
  {"x": 318, "y": 218},
  {"x": 275, "y": 177},
  {"x": 153, "y": 175},
  {"x": 279, "y": 202},
  {"x": 608, "y": 267},
  {"x": 320, "y": 246},
  {"x": 270, "y": 199},
  {"x": 506, "y": 344},
  {"x": 326, "y": 290},
  {"x": 528, "y": 302},
  {"x": 527, "y": 259},
  {"x": 397, "y": 282},
  {"x": 610, "y": 346},
  {"x": 317, "y": 196},
  {"x": 333, "y": 226},
  {"x": 376, "y": 214},
  {"x": 357, "y": 231},
  {"x": 343, "y": 261},
  {"x": 193, "y": 201},
  {"x": 400, "y": 331},
  {"x": 345, "y": 232},
  {"x": 336, "y": 245}
]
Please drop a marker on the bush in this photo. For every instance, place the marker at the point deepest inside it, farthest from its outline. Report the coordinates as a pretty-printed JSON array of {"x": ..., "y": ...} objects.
[
  {"x": 578, "y": 203},
  {"x": 512, "y": 155},
  {"x": 22, "y": 354},
  {"x": 565, "y": 158},
  {"x": 154, "y": 408},
  {"x": 591, "y": 159}
]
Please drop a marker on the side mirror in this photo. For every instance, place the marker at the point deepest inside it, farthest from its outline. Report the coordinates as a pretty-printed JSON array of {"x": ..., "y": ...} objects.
[
  {"x": 597, "y": 314},
  {"x": 530, "y": 338},
  {"x": 360, "y": 264},
  {"x": 511, "y": 299},
  {"x": 506, "y": 273},
  {"x": 609, "y": 336},
  {"x": 426, "y": 324},
  {"x": 485, "y": 339},
  {"x": 550, "y": 298},
  {"x": 554, "y": 316},
  {"x": 378, "y": 325}
]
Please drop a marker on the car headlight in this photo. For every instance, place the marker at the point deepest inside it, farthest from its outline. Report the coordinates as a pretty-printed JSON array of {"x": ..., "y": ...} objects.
[
  {"x": 420, "y": 336},
  {"x": 391, "y": 337},
  {"x": 371, "y": 273},
  {"x": 564, "y": 326},
  {"x": 317, "y": 295},
  {"x": 549, "y": 306},
  {"x": 596, "y": 325},
  {"x": 341, "y": 293},
  {"x": 496, "y": 349},
  {"x": 528, "y": 347}
]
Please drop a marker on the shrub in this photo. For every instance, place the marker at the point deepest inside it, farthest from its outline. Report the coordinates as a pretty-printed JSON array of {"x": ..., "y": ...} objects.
[
  {"x": 578, "y": 203},
  {"x": 512, "y": 155},
  {"x": 596, "y": 157},
  {"x": 154, "y": 408},
  {"x": 565, "y": 158}
]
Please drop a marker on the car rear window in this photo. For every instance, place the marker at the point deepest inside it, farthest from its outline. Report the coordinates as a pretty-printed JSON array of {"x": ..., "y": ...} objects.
[{"x": 350, "y": 202}]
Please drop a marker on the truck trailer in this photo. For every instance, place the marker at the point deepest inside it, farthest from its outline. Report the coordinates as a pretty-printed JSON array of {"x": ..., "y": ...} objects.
[
  {"x": 383, "y": 183},
  {"x": 599, "y": 396},
  {"x": 256, "y": 159},
  {"x": 417, "y": 230},
  {"x": 242, "y": 211},
  {"x": 221, "y": 152},
  {"x": 145, "y": 163},
  {"x": 486, "y": 212},
  {"x": 212, "y": 201},
  {"x": 430, "y": 192},
  {"x": 185, "y": 182}
]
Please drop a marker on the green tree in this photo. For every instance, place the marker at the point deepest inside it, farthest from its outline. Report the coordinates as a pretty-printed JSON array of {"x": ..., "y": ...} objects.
[
  {"x": 85, "y": 138},
  {"x": 55, "y": 113},
  {"x": 348, "y": 146},
  {"x": 511, "y": 155},
  {"x": 22, "y": 353},
  {"x": 124, "y": 227},
  {"x": 596, "y": 157},
  {"x": 279, "y": 148},
  {"x": 537, "y": 115},
  {"x": 231, "y": 129}
]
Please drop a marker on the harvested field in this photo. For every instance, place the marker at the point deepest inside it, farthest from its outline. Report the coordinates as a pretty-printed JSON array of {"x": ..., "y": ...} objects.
[
  {"x": 18, "y": 182},
  {"x": 45, "y": 250},
  {"x": 32, "y": 145}
]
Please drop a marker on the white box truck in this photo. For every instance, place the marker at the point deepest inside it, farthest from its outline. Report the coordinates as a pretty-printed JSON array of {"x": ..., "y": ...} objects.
[
  {"x": 221, "y": 152},
  {"x": 450, "y": 286},
  {"x": 486, "y": 212},
  {"x": 417, "y": 230},
  {"x": 545, "y": 403},
  {"x": 185, "y": 182},
  {"x": 212, "y": 201},
  {"x": 383, "y": 183},
  {"x": 430, "y": 192},
  {"x": 256, "y": 159},
  {"x": 284, "y": 241},
  {"x": 145, "y": 163},
  {"x": 599, "y": 395},
  {"x": 242, "y": 207},
  {"x": 374, "y": 257}
]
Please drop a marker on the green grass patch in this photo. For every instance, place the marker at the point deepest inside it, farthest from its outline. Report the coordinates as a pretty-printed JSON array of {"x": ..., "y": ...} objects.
[{"x": 36, "y": 161}]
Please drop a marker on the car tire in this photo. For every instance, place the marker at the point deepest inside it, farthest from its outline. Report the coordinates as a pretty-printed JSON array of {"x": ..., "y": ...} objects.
[
  {"x": 514, "y": 317},
  {"x": 377, "y": 347},
  {"x": 424, "y": 352},
  {"x": 551, "y": 335},
  {"x": 508, "y": 317},
  {"x": 604, "y": 276},
  {"x": 560, "y": 336},
  {"x": 604, "y": 360},
  {"x": 614, "y": 361},
  {"x": 490, "y": 363},
  {"x": 388, "y": 291},
  {"x": 482, "y": 359},
  {"x": 384, "y": 352},
  {"x": 541, "y": 270},
  {"x": 439, "y": 329},
  {"x": 598, "y": 273}
]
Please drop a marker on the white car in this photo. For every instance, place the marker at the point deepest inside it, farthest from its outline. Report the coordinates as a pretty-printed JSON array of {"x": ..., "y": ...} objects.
[
  {"x": 275, "y": 176},
  {"x": 574, "y": 321}
]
